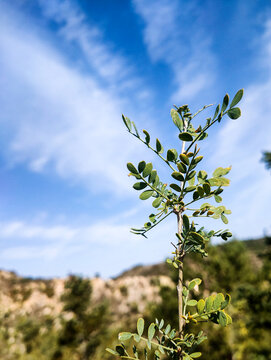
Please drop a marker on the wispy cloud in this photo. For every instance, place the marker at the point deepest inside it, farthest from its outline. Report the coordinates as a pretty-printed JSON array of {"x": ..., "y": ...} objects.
[
  {"x": 49, "y": 241},
  {"x": 102, "y": 57},
  {"x": 241, "y": 143},
  {"x": 182, "y": 44},
  {"x": 65, "y": 119}
]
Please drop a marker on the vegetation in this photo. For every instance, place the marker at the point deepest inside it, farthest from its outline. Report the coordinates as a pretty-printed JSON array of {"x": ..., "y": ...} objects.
[
  {"x": 267, "y": 159},
  {"x": 241, "y": 268},
  {"x": 184, "y": 198}
]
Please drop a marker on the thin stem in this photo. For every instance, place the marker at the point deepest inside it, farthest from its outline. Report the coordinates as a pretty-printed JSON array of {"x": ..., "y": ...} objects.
[
  {"x": 199, "y": 135},
  {"x": 153, "y": 188},
  {"x": 157, "y": 344},
  {"x": 199, "y": 111},
  {"x": 180, "y": 278},
  {"x": 156, "y": 152},
  {"x": 185, "y": 303},
  {"x": 158, "y": 222}
]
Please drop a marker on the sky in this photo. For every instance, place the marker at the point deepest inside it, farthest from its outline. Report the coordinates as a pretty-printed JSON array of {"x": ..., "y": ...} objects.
[{"x": 68, "y": 70}]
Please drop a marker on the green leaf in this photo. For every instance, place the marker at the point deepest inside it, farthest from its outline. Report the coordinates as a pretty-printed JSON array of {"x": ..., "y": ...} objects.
[
  {"x": 221, "y": 171},
  {"x": 175, "y": 187},
  {"x": 131, "y": 168},
  {"x": 181, "y": 167},
  {"x": 141, "y": 166},
  {"x": 219, "y": 181},
  {"x": 137, "y": 337},
  {"x": 146, "y": 194},
  {"x": 185, "y": 136},
  {"x": 161, "y": 349},
  {"x": 229, "y": 319},
  {"x": 225, "y": 103},
  {"x": 195, "y": 355},
  {"x": 222, "y": 318},
  {"x": 191, "y": 175},
  {"x": 113, "y": 352},
  {"x": 192, "y": 302},
  {"x": 120, "y": 350},
  {"x": 127, "y": 123},
  {"x": 140, "y": 326},
  {"x": 197, "y": 236},
  {"x": 218, "y": 301},
  {"x": 193, "y": 283},
  {"x": 147, "y": 170},
  {"x": 200, "y": 190},
  {"x": 224, "y": 219},
  {"x": 139, "y": 185},
  {"x": 234, "y": 113},
  {"x": 218, "y": 199},
  {"x": 226, "y": 301},
  {"x": 238, "y": 96},
  {"x": 203, "y": 136},
  {"x": 172, "y": 155},
  {"x": 151, "y": 331},
  {"x": 156, "y": 181},
  {"x": 197, "y": 159},
  {"x": 135, "y": 129},
  {"x": 200, "y": 306},
  {"x": 156, "y": 203},
  {"x": 167, "y": 329},
  {"x": 186, "y": 222},
  {"x": 125, "y": 336},
  {"x": 216, "y": 111},
  {"x": 161, "y": 324},
  {"x": 209, "y": 303},
  {"x": 202, "y": 175},
  {"x": 189, "y": 188},
  {"x": 177, "y": 176},
  {"x": 152, "y": 176},
  {"x": 207, "y": 188},
  {"x": 159, "y": 147},
  {"x": 184, "y": 159},
  {"x": 176, "y": 119},
  {"x": 147, "y": 136}
]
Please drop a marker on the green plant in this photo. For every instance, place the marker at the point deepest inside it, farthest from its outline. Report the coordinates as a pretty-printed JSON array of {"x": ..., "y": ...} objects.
[
  {"x": 179, "y": 198},
  {"x": 267, "y": 159}
]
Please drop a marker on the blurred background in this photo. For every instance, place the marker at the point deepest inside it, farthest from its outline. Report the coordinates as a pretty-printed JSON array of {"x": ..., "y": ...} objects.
[{"x": 68, "y": 70}]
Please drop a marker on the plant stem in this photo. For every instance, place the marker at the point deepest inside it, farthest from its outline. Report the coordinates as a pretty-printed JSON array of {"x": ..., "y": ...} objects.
[
  {"x": 156, "y": 152},
  {"x": 180, "y": 278}
]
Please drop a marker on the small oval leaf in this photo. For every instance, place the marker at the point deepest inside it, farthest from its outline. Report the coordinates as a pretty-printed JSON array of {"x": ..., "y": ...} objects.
[
  {"x": 140, "y": 326},
  {"x": 234, "y": 113},
  {"x": 185, "y": 136},
  {"x": 131, "y": 168},
  {"x": 237, "y": 97},
  {"x": 146, "y": 194}
]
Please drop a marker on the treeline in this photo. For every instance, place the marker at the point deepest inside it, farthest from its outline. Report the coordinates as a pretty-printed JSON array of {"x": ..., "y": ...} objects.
[{"x": 83, "y": 329}]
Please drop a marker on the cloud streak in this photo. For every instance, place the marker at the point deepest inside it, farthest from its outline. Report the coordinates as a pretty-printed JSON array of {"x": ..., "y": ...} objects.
[
  {"x": 65, "y": 120},
  {"x": 182, "y": 44}
]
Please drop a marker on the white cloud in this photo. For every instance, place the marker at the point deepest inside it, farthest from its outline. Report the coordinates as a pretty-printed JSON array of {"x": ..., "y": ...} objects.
[
  {"x": 56, "y": 116},
  {"x": 51, "y": 241},
  {"x": 104, "y": 60},
  {"x": 182, "y": 44},
  {"x": 241, "y": 143}
]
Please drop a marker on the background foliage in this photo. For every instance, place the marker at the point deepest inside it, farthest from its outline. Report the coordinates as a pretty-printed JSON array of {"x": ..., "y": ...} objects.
[{"x": 83, "y": 329}]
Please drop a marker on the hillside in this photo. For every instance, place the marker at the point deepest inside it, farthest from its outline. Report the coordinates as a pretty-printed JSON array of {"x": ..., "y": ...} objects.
[{"x": 53, "y": 315}]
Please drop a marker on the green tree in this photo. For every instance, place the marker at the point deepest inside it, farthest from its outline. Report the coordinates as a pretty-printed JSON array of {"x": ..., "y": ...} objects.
[
  {"x": 180, "y": 198},
  {"x": 267, "y": 159},
  {"x": 84, "y": 332}
]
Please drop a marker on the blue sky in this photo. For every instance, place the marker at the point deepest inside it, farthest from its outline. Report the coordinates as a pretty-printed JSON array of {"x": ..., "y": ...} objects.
[{"x": 68, "y": 70}]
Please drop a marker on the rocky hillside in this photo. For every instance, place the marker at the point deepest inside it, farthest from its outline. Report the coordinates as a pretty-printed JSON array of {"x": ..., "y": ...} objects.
[{"x": 125, "y": 294}]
